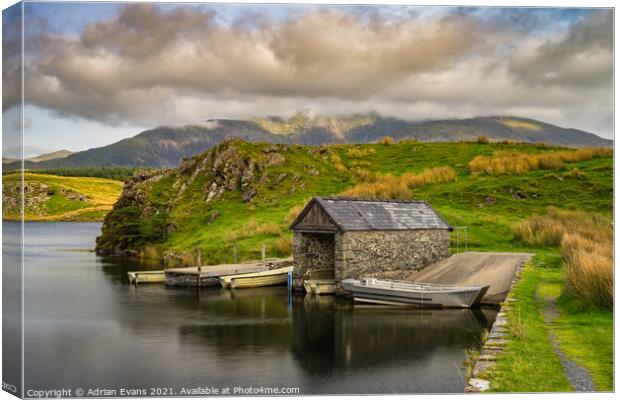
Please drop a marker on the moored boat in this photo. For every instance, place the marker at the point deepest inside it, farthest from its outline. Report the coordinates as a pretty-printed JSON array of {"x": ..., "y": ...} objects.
[
  {"x": 136, "y": 277},
  {"x": 320, "y": 286},
  {"x": 383, "y": 291},
  {"x": 278, "y": 276}
]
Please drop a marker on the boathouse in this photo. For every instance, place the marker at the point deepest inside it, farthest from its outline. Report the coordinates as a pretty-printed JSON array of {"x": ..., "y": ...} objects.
[{"x": 352, "y": 237}]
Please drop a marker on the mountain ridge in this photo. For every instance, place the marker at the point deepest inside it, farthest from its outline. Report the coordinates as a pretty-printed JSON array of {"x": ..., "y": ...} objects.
[{"x": 167, "y": 146}]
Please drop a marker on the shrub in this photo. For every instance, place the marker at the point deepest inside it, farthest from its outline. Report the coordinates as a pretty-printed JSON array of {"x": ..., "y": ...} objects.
[{"x": 483, "y": 139}]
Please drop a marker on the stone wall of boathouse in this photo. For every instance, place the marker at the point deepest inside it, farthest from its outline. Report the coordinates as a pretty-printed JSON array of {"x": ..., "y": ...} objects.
[{"x": 388, "y": 254}]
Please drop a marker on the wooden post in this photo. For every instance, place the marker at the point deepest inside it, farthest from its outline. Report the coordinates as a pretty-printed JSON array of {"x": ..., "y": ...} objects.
[
  {"x": 465, "y": 229},
  {"x": 199, "y": 264},
  {"x": 235, "y": 252},
  {"x": 263, "y": 251},
  {"x": 457, "y": 240}
]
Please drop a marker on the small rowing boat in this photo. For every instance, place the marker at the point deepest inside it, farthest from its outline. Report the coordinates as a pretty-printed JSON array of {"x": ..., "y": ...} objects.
[
  {"x": 278, "y": 276},
  {"x": 383, "y": 291},
  {"x": 136, "y": 277},
  {"x": 320, "y": 286}
]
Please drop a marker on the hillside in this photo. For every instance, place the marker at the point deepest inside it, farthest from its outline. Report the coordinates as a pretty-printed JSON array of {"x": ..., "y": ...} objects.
[
  {"x": 55, "y": 198},
  {"x": 167, "y": 146},
  {"x": 245, "y": 193},
  {"x": 43, "y": 157}
]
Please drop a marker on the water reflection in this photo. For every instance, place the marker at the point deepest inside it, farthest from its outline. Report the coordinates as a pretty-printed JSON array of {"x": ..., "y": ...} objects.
[{"x": 86, "y": 326}]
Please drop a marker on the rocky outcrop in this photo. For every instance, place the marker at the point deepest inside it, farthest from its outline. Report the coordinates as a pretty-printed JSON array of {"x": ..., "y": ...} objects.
[{"x": 233, "y": 167}]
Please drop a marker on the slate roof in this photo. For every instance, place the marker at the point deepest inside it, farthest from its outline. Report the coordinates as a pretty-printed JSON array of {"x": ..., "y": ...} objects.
[{"x": 355, "y": 214}]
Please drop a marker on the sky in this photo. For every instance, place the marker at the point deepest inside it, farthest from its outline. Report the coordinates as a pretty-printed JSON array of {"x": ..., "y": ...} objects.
[{"x": 98, "y": 72}]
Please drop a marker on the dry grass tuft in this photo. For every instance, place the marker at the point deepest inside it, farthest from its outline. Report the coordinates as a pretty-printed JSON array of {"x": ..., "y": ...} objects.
[
  {"x": 548, "y": 229},
  {"x": 586, "y": 241},
  {"x": 517, "y": 326},
  {"x": 337, "y": 163},
  {"x": 360, "y": 151},
  {"x": 471, "y": 358},
  {"x": 520, "y": 163},
  {"x": 294, "y": 212},
  {"x": 389, "y": 186},
  {"x": 589, "y": 269},
  {"x": 284, "y": 245},
  {"x": 387, "y": 140},
  {"x": 483, "y": 139},
  {"x": 251, "y": 228}
]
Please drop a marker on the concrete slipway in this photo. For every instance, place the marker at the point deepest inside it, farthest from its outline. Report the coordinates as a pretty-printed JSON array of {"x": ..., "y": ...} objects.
[{"x": 476, "y": 268}]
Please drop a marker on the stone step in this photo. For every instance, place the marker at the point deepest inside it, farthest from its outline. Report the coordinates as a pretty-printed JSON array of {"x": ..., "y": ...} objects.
[{"x": 476, "y": 385}]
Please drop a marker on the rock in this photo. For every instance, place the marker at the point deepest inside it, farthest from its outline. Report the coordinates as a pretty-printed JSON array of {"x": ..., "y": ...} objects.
[
  {"x": 478, "y": 385},
  {"x": 280, "y": 178},
  {"x": 275, "y": 159},
  {"x": 249, "y": 194}
]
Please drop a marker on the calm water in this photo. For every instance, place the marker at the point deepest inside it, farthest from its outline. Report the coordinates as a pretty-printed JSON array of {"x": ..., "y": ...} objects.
[{"x": 87, "y": 327}]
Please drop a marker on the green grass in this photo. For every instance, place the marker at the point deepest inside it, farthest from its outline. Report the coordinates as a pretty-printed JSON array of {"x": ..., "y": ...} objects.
[
  {"x": 100, "y": 196},
  {"x": 528, "y": 363},
  {"x": 584, "y": 333}
]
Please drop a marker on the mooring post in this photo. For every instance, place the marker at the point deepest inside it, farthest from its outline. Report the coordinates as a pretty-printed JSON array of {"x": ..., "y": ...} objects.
[
  {"x": 263, "y": 251},
  {"x": 235, "y": 252}
]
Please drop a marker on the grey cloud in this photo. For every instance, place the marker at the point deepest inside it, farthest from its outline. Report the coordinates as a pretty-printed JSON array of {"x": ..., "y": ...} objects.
[
  {"x": 149, "y": 67},
  {"x": 581, "y": 57}
]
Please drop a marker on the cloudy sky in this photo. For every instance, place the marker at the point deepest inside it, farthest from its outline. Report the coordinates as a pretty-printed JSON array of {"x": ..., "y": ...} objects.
[{"x": 95, "y": 73}]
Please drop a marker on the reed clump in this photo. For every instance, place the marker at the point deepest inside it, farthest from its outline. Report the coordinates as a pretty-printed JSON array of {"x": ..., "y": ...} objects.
[
  {"x": 519, "y": 163},
  {"x": 586, "y": 246},
  {"x": 388, "y": 186}
]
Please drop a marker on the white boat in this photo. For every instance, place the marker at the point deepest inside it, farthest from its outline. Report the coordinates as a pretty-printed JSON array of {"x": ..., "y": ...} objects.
[
  {"x": 383, "y": 291},
  {"x": 278, "y": 276}
]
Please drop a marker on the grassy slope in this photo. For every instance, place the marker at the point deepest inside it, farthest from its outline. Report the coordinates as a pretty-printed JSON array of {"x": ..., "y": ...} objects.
[
  {"x": 100, "y": 193},
  {"x": 487, "y": 205}
]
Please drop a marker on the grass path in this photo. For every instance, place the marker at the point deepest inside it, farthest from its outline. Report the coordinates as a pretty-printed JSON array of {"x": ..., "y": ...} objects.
[
  {"x": 578, "y": 376},
  {"x": 559, "y": 348}
]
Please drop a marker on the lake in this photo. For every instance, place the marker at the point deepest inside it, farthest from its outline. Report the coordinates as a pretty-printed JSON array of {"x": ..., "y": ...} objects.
[{"x": 87, "y": 327}]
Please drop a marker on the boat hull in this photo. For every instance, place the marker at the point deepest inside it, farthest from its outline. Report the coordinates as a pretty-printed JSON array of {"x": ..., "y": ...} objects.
[
  {"x": 266, "y": 278},
  {"x": 320, "y": 286},
  {"x": 136, "y": 277},
  {"x": 402, "y": 295}
]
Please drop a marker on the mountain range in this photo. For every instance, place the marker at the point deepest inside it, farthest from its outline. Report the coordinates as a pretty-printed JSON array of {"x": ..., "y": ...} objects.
[{"x": 164, "y": 147}]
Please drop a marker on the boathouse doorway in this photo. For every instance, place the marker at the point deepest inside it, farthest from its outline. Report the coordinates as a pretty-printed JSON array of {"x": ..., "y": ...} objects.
[{"x": 315, "y": 255}]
